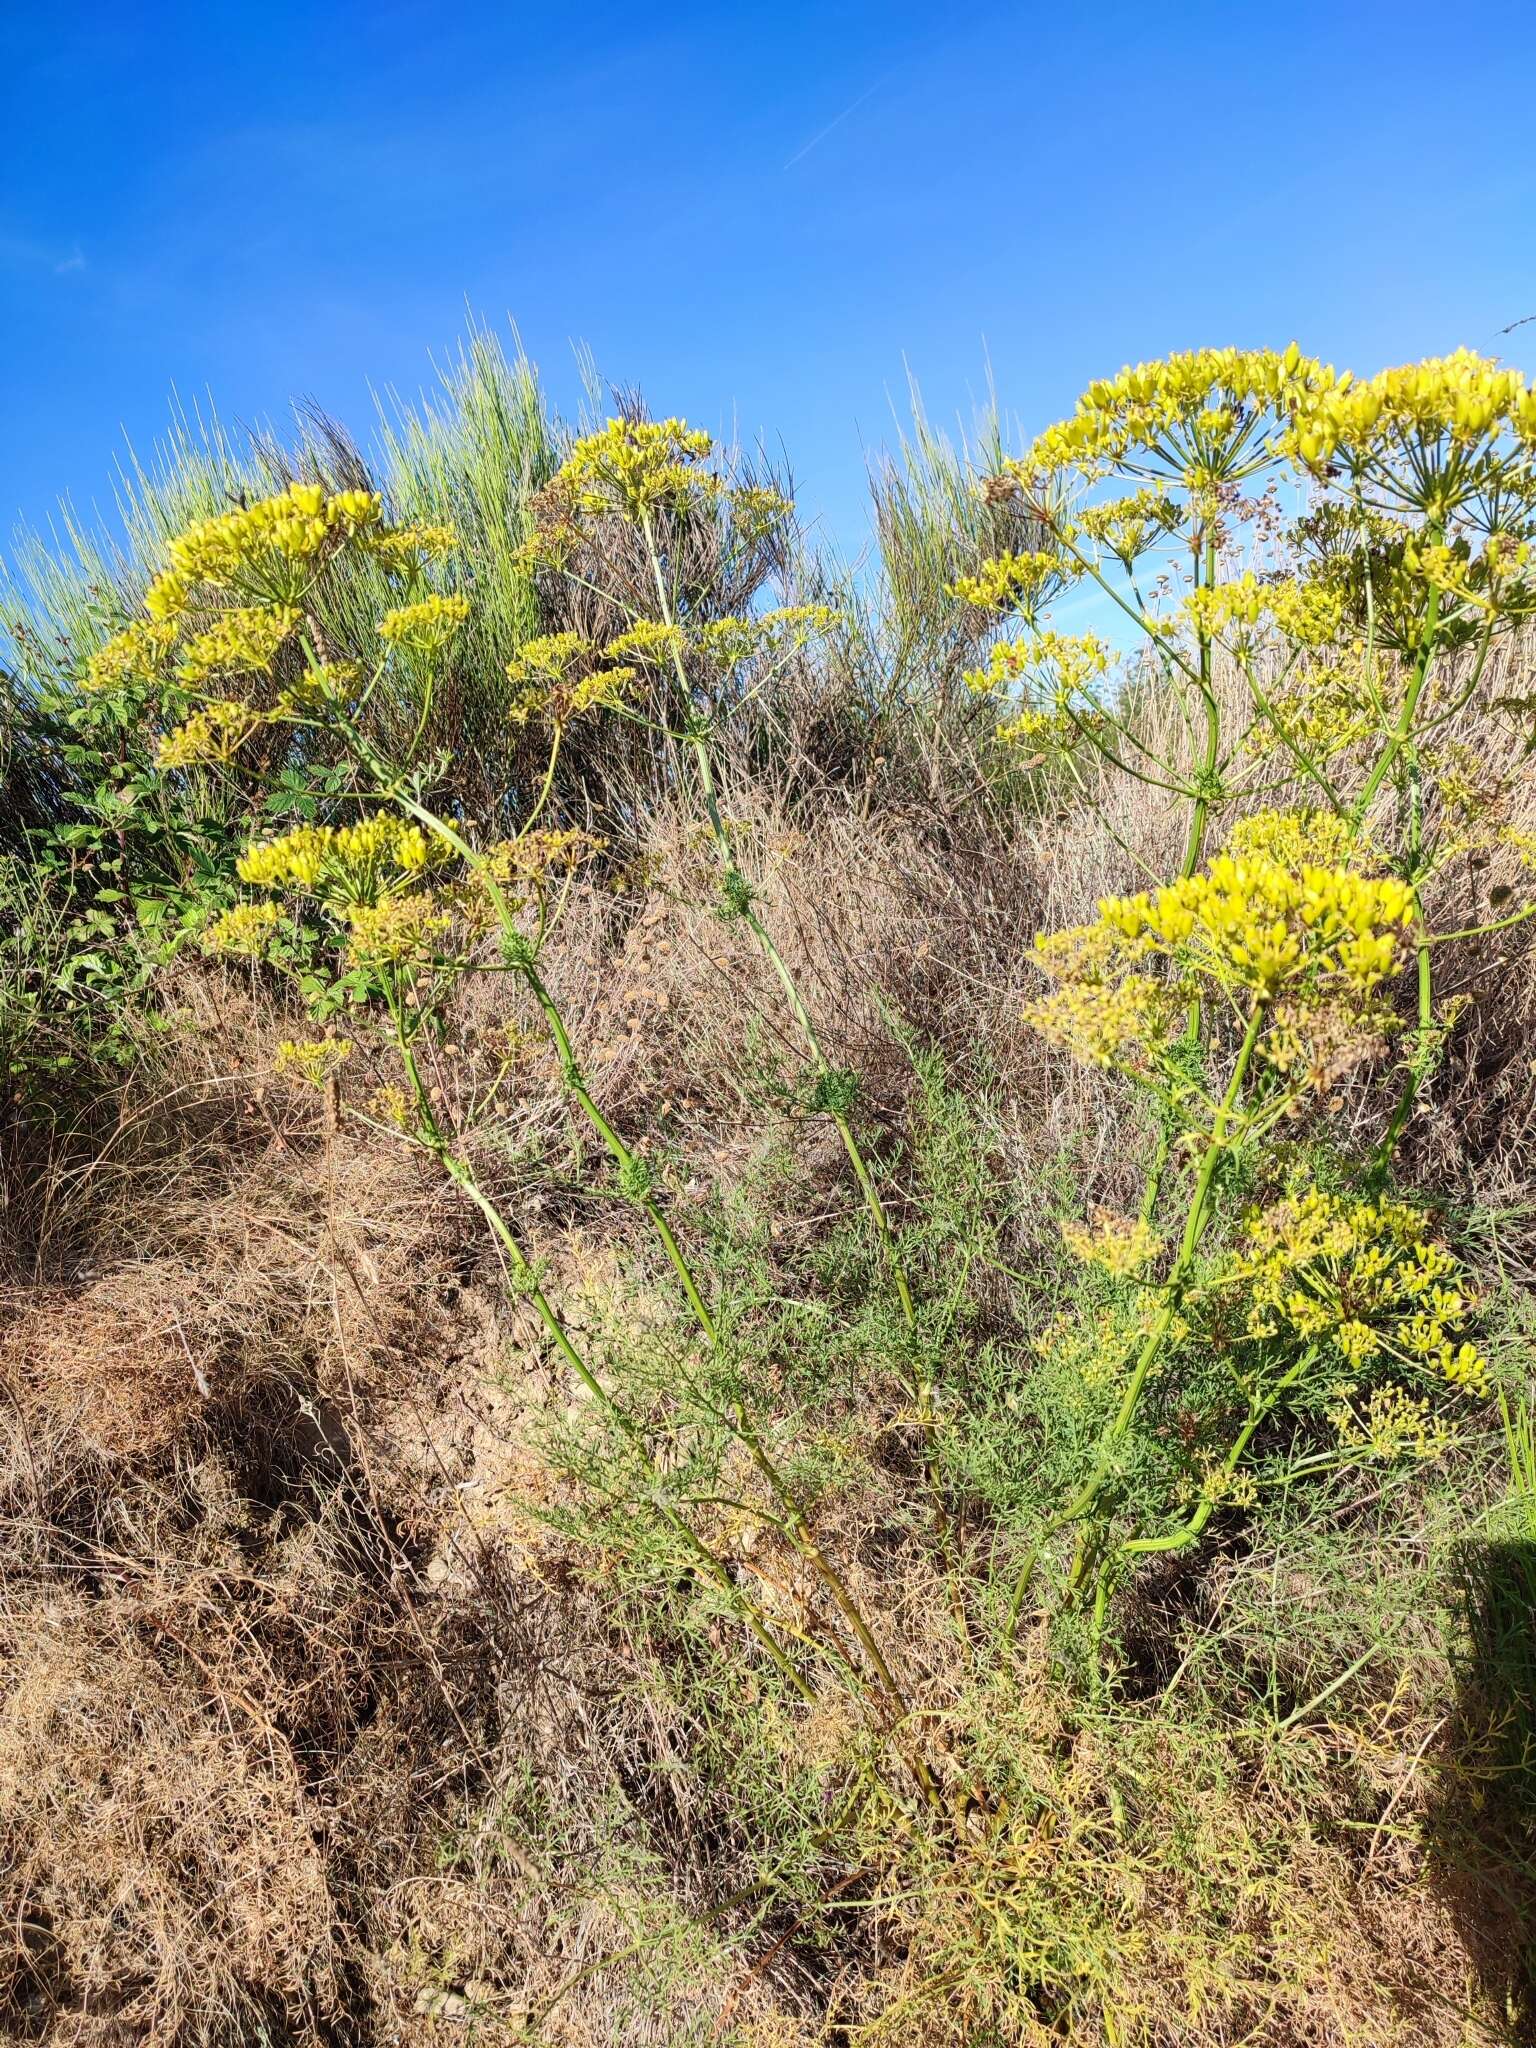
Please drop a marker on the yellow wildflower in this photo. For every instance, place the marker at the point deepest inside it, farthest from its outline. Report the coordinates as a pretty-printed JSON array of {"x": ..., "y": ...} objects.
[
  {"x": 312, "y": 1059},
  {"x": 245, "y": 929},
  {"x": 629, "y": 466},
  {"x": 242, "y": 641},
  {"x": 136, "y": 655},
  {"x": 396, "y": 929},
  {"x": 1122, "y": 1245},
  {"x": 214, "y": 732},
  {"x": 425, "y": 627}
]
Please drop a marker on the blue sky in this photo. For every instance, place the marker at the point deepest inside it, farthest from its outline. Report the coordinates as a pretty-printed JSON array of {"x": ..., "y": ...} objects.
[{"x": 762, "y": 217}]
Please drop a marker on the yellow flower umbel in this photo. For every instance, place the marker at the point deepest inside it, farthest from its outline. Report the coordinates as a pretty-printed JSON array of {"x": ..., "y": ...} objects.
[
  {"x": 1014, "y": 582},
  {"x": 408, "y": 548},
  {"x": 1293, "y": 839},
  {"x": 398, "y": 929},
  {"x": 1202, "y": 420},
  {"x": 242, "y": 641},
  {"x": 426, "y": 627},
  {"x": 214, "y": 732},
  {"x": 1258, "y": 925},
  {"x": 269, "y": 549},
  {"x": 1058, "y": 671},
  {"x": 136, "y": 655},
  {"x": 559, "y": 676},
  {"x": 344, "y": 865},
  {"x": 1122, "y": 1245},
  {"x": 633, "y": 466},
  {"x": 247, "y": 929},
  {"x": 1360, "y": 1280},
  {"x": 312, "y": 1059}
]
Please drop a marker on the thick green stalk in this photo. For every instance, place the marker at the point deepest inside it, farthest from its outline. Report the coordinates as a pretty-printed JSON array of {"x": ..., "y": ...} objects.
[
  {"x": 1401, "y": 738},
  {"x": 1088, "y": 1496},
  {"x": 1188, "y": 1532},
  {"x": 1402, "y": 729},
  {"x": 1205, "y": 779}
]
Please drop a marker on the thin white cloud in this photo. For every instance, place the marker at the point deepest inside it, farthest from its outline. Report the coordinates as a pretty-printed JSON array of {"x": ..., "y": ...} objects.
[{"x": 73, "y": 261}]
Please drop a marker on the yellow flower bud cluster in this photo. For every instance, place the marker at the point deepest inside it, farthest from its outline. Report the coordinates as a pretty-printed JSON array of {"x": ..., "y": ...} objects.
[
  {"x": 1306, "y": 614},
  {"x": 242, "y": 641},
  {"x": 396, "y": 929},
  {"x": 168, "y": 595},
  {"x": 216, "y": 731},
  {"x": 322, "y": 682},
  {"x": 542, "y": 853},
  {"x": 1359, "y": 1278},
  {"x": 1389, "y": 1423},
  {"x": 559, "y": 677},
  {"x": 1044, "y": 731},
  {"x": 294, "y": 526},
  {"x": 1122, "y": 1245},
  {"x": 246, "y": 929},
  {"x": 647, "y": 641},
  {"x": 1129, "y": 525},
  {"x": 312, "y": 1059},
  {"x": 1257, "y": 924},
  {"x": 343, "y": 864},
  {"x": 1194, "y": 401},
  {"x": 630, "y": 466},
  {"x": 1013, "y": 580},
  {"x": 426, "y": 627},
  {"x": 1293, "y": 839},
  {"x": 404, "y": 547},
  {"x": 136, "y": 655},
  {"x": 729, "y": 641},
  {"x": 1065, "y": 664},
  {"x": 1324, "y": 709},
  {"x": 1463, "y": 401},
  {"x": 1104, "y": 1023},
  {"x": 1497, "y": 581},
  {"x": 758, "y": 510},
  {"x": 796, "y": 625}
]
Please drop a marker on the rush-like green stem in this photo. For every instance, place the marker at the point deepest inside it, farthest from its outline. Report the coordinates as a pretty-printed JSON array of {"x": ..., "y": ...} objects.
[
  {"x": 802, "y": 1016},
  {"x": 1205, "y": 779}
]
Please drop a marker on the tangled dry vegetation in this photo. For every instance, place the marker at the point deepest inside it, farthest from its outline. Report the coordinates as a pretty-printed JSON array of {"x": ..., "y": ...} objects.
[{"x": 353, "y": 1691}]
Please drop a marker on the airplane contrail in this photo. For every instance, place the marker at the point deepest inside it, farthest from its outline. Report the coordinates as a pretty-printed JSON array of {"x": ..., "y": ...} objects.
[{"x": 822, "y": 134}]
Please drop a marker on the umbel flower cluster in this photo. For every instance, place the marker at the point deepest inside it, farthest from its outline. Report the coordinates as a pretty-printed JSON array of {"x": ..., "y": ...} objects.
[
  {"x": 1422, "y": 483},
  {"x": 225, "y": 647},
  {"x": 1361, "y": 1280},
  {"x": 1298, "y": 939}
]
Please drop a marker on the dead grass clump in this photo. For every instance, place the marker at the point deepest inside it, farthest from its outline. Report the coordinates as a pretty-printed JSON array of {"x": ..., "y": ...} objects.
[
  {"x": 124, "y": 1363},
  {"x": 163, "y": 1873}
]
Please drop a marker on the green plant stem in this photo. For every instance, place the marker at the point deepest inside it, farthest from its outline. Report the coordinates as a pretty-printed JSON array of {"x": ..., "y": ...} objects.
[
  {"x": 460, "y": 1172},
  {"x": 921, "y": 1383},
  {"x": 1088, "y": 1496},
  {"x": 1402, "y": 728},
  {"x": 628, "y": 1162},
  {"x": 1189, "y": 1532},
  {"x": 1402, "y": 738},
  {"x": 1194, "y": 849}
]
